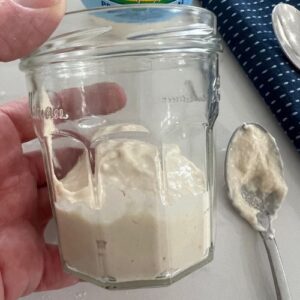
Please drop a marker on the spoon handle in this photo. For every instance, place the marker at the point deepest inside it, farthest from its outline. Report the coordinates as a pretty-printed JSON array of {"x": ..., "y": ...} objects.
[{"x": 279, "y": 277}]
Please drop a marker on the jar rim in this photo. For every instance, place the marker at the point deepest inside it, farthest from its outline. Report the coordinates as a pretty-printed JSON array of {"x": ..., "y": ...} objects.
[{"x": 127, "y": 30}]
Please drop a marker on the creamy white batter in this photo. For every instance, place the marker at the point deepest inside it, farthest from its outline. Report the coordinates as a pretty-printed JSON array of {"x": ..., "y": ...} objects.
[
  {"x": 136, "y": 218},
  {"x": 252, "y": 163}
]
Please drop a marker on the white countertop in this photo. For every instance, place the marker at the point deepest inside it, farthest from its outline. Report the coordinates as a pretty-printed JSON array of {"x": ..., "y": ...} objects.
[{"x": 240, "y": 269}]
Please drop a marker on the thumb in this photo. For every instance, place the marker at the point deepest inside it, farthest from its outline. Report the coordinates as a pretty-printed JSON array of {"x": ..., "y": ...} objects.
[{"x": 26, "y": 24}]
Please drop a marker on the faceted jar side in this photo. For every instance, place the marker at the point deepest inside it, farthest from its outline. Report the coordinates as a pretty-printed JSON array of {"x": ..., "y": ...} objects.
[{"x": 127, "y": 140}]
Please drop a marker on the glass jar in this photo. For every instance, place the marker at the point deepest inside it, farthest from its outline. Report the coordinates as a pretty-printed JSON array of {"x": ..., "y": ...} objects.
[{"x": 124, "y": 101}]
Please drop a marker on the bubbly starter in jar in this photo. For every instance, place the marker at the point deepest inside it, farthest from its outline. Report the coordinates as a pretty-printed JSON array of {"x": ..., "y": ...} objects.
[{"x": 136, "y": 216}]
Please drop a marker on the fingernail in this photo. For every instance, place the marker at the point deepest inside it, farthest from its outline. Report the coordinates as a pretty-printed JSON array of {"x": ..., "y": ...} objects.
[{"x": 37, "y": 3}]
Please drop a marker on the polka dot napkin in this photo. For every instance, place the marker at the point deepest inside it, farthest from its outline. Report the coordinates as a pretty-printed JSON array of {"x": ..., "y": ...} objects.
[{"x": 246, "y": 26}]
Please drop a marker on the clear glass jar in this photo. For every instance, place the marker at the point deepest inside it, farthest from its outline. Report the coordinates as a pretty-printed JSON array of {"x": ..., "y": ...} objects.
[{"x": 124, "y": 102}]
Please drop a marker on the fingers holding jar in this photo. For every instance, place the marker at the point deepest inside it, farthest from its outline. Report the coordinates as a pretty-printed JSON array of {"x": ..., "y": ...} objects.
[
  {"x": 97, "y": 99},
  {"x": 26, "y": 24}
]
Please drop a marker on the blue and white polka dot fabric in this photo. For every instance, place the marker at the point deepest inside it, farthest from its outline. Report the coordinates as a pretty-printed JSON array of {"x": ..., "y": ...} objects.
[{"x": 246, "y": 26}]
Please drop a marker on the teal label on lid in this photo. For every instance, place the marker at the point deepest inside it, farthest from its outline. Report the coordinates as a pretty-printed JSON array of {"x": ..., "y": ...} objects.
[{"x": 149, "y": 15}]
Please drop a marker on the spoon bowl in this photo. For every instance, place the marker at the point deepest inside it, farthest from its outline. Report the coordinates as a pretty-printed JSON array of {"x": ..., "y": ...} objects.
[
  {"x": 286, "y": 25},
  {"x": 265, "y": 204},
  {"x": 256, "y": 188}
]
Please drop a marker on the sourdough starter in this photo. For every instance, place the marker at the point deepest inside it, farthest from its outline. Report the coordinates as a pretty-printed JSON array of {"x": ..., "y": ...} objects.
[
  {"x": 254, "y": 165},
  {"x": 134, "y": 218}
]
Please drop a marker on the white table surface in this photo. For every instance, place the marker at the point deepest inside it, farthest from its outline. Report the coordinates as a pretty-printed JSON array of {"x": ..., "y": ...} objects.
[{"x": 240, "y": 269}]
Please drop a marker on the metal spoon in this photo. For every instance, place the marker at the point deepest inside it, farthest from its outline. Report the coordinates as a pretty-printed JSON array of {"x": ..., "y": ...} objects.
[
  {"x": 286, "y": 25},
  {"x": 266, "y": 205}
]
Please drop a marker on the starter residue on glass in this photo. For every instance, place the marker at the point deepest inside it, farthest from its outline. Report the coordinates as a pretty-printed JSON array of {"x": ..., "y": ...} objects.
[
  {"x": 136, "y": 218},
  {"x": 253, "y": 166}
]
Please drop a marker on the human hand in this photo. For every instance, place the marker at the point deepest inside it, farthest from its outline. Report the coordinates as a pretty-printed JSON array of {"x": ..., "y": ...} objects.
[{"x": 27, "y": 263}]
